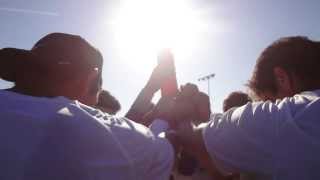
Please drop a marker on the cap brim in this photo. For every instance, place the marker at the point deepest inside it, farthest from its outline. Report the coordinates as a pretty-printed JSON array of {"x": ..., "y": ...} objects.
[{"x": 10, "y": 59}]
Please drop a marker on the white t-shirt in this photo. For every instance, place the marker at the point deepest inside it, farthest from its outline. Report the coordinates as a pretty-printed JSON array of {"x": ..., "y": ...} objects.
[
  {"x": 56, "y": 138},
  {"x": 270, "y": 140}
]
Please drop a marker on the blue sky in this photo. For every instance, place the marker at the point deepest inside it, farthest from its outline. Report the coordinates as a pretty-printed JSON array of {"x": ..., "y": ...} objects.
[{"x": 245, "y": 28}]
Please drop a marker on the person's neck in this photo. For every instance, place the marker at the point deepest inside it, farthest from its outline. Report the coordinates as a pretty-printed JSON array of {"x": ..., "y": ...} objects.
[{"x": 31, "y": 91}]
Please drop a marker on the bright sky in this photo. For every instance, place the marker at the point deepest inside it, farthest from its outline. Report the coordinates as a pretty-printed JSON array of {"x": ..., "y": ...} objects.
[{"x": 223, "y": 37}]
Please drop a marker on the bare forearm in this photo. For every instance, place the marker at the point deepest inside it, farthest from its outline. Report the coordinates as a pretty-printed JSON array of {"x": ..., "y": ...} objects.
[
  {"x": 193, "y": 142},
  {"x": 141, "y": 105}
]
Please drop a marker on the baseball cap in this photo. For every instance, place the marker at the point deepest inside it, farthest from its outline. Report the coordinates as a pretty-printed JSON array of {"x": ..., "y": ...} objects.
[{"x": 58, "y": 51}]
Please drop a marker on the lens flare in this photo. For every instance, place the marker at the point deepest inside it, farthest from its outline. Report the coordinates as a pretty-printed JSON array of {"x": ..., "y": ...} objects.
[{"x": 143, "y": 27}]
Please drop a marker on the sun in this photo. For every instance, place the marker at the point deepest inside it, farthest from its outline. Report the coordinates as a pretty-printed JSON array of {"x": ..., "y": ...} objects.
[{"x": 142, "y": 28}]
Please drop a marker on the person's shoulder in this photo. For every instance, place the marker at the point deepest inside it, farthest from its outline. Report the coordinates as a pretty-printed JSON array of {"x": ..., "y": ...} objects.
[
  {"x": 296, "y": 103},
  {"x": 142, "y": 146},
  {"x": 124, "y": 125},
  {"x": 246, "y": 115},
  {"x": 134, "y": 135},
  {"x": 69, "y": 115},
  {"x": 306, "y": 97},
  {"x": 38, "y": 109},
  {"x": 78, "y": 111},
  {"x": 284, "y": 109}
]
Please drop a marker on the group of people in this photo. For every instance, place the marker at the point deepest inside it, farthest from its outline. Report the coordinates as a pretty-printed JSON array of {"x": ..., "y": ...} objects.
[{"x": 58, "y": 123}]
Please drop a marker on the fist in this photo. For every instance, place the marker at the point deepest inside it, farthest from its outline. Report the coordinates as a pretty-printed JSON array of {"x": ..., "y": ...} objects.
[{"x": 202, "y": 104}]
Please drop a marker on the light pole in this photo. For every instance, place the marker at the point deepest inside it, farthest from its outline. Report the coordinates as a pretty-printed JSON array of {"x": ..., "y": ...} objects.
[{"x": 207, "y": 78}]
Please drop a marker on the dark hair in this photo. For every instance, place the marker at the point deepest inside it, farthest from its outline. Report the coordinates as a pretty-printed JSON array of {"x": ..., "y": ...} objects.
[
  {"x": 56, "y": 59},
  {"x": 55, "y": 55},
  {"x": 235, "y": 99},
  {"x": 297, "y": 55},
  {"x": 106, "y": 100},
  {"x": 9, "y": 64}
]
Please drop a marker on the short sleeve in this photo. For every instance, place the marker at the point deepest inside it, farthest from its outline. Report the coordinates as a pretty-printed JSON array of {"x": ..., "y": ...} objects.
[
  {"x": 163, "y": 160},
  {"x": 244, "y": 139},
  {"x": 151, "y": 156}
]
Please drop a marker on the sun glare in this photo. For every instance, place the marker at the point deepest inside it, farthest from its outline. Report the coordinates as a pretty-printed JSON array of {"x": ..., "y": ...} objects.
[{"x": 143, "y": 27}]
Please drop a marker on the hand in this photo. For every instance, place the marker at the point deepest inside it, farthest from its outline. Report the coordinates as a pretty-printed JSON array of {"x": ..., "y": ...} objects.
[
  {"x": 202, "y": 104},
  {"x": 190, "y": 94},
  {"x": 183, "y": 111},
  {"x": 189, "y": 90}
]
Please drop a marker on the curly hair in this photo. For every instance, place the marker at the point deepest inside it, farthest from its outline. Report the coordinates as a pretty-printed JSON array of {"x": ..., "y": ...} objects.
[
  {"x": 235, "y": 99},
  {"x": 297, "y": 55}
]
